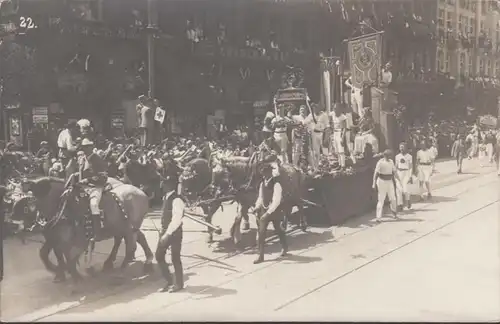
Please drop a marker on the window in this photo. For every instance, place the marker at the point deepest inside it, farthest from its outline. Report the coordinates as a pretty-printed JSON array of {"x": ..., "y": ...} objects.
[
  {"x": 481, "y": 67},
  {"x": 481, "y": 24},
  {"x": 497, "y": 69},
  {"x": 488, "y": 68},
  {"x": 447, "y": 62},
  {"x": 441, "y": 18},
  {"x": 449, "y": 20},
  {"x": 451, "y": 2},
  {"x": 469, "y": 70},
  {"x": 472, "y": 26},
  {"x": 462, "y": 63},
  {"x": 463, "y": 4},
  {"x": 484, "y": 7},
  {"x": 441, "y": 61},
  {"x": 88, "y": 10}
]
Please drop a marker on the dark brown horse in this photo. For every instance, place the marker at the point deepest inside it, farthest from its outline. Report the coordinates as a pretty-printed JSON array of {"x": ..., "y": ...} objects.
[
  {"x": 65, "y": 207},
  {"x": 238, "y": 177}
]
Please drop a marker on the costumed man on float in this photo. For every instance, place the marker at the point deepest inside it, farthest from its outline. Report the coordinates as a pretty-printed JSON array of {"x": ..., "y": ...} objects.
[
  {"x": 280, "y": 125},
  {"x": 318, "y": 123},
  {"x": 339, "y": 127},
  {"x": 67, "y": 148},
  {"x": 93, "y": 174},
  {"x": 384, "y": 179},
  {"x": 171, "y": 234},
  {"x": 269, "y": 208},
  {"x": 356, "y": 97},
  {"x": 299, "y": 135}
]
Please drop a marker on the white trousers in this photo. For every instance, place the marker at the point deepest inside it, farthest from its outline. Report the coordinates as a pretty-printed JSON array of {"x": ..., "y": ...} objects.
[
  {"x": 357, "y": 102},
  {"x": 403, "y": 186},
  {"x": 282, "y": 140},
  {"x": 385, "y": 190},
  {"x": 317, "y": 143},
  {"x": 489, "y": 149},
  {"x": 95, "y": 194}
]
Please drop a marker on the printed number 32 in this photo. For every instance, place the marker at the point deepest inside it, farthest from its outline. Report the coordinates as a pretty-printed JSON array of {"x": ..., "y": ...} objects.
[{"x": 26, "y": 22}]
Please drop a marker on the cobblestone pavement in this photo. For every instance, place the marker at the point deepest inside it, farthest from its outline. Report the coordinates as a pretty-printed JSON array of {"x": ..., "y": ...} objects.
[{"x": 368, "y": 271}]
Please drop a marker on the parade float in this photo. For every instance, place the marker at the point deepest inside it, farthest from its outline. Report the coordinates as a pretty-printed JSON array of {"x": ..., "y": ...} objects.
[{"x": 337, "y": 193}]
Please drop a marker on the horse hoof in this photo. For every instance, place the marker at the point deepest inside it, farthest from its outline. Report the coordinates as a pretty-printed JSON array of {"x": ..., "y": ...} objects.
[
  {"x": 91, "y": 271},
  {"x": 107, "y": 267},
  {"x": 210, "y": 239},
  {"x": 246, "y": 226},
  {"x": 148, "y": 268},
  {"x": 284, "y": 253},
  {"x": 59, "y": 278},
  {"x": 258, "y": 260},
  {"x": 284, "y": 226}
]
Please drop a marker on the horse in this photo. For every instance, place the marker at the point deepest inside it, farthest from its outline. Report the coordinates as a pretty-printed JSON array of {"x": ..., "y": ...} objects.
[
  {"x": 240, "y": 177},
  {"x": 65, "y": 208}
]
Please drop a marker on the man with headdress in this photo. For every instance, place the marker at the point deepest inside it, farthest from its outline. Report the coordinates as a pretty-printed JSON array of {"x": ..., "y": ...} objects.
[
  {"x": 86, "y": 130},
  {"x": 93, "y": 173}
]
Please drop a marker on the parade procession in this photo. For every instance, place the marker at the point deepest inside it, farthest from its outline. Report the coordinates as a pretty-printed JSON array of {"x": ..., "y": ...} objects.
[{"x": 365, "y": 132}]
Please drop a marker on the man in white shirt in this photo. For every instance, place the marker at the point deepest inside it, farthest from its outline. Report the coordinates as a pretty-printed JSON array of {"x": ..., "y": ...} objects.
[
  {"x": 67, "y": 148},
  {"x": 171, "y": 234},
  {"x": 317, "y": 130},
  {"x": 383, "y": 180},
  {"x": 281, "y": 137},
  {"x": 269, "y": 208},
  {"x": 339, "y": 127},
  {"x": 404, "y": 167},
  {"x": 356, "y": 97},
  {"x": 297, "y": 147}
]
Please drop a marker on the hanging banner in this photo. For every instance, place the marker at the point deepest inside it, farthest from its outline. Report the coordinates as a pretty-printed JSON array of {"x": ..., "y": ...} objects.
[
  {"x": 329, "y": 73},
  {"x": 365, "y": 59}
]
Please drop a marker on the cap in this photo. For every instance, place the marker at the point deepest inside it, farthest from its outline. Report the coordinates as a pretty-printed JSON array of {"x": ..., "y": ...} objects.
[{"x": 87, "y": 142}]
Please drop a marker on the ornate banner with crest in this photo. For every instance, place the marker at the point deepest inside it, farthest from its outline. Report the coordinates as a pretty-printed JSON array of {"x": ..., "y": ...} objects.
[{"x": 365, "y": 59}]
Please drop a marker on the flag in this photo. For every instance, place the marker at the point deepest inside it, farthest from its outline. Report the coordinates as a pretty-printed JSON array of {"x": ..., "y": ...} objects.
[
  {"x": 365, "y": 59},
  {"x": 329, "y": 76}
]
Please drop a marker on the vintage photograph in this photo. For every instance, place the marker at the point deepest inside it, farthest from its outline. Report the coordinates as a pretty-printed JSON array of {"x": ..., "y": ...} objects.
[{"x": 249, "y": 160}]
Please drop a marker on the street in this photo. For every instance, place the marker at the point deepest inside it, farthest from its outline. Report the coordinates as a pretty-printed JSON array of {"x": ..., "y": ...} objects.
[{"x": 440, "y": 262}]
